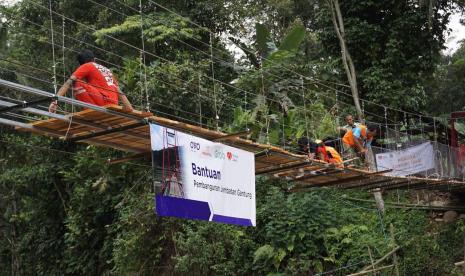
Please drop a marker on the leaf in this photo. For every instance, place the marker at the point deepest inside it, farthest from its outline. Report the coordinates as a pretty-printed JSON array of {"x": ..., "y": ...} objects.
[
  {"x": 293, "y": 39},
  {"x": 279, "y": 257},
  {"x": 264, "y": 44}
]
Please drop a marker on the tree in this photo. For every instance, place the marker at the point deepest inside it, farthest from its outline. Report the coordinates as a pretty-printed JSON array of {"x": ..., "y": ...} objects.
[
  {"x": 392, "y": 47},
  {"x": 349, "y": 67}
]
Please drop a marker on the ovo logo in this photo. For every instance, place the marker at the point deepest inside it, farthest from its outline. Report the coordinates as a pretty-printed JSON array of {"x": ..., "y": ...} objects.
[{"x": 194, "y": 146}]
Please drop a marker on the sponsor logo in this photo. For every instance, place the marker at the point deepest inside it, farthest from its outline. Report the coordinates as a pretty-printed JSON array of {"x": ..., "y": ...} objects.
[
  {"x": 214, "y": 152},
  {"x": 231, "y": 156},
  {"x": 219, "y": 154},
  {"x": 194, "y": 146}
]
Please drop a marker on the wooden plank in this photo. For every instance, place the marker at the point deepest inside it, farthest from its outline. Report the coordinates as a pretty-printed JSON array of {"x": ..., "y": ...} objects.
[
  {"x": 138, "y": 113},
  {"x": 354, "y": 178},
  {"x": 121, "y": 139},
  {"x": 284, "y": 167},
  {"x": 115, "y": 129},
  {"x": 316, "y": 171},
  {"x": 361, "y": 175}
]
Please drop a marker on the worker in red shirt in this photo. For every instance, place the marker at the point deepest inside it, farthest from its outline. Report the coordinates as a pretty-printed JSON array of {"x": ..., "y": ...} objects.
[
  {"x": 318, "y": 150},
  {"x": 93, "y": 83}
]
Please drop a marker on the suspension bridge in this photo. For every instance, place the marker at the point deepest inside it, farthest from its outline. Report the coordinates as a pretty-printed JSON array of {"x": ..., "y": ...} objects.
[{"x": 129, "y": 132}]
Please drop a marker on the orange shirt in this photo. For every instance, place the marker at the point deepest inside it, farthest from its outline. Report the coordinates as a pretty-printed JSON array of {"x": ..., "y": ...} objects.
[
  {"x": 100, "y": 78},
  {"x": 335, "y": 157},
  {"x": 348, "y": 138}
]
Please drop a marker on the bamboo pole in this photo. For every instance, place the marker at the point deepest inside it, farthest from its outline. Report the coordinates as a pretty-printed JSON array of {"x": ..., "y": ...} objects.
[
  {"x": 372, "y": 262},
  {"x": 394, "y": 255},
  {"x": 383, "y": 258},
  {"x": 371, "y": 270}
]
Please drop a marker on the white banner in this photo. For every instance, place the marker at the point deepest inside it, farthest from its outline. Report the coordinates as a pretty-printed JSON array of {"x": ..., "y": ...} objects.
[
  {"x": 406, "y": 162},
  {"x": 214, "y": 181}
]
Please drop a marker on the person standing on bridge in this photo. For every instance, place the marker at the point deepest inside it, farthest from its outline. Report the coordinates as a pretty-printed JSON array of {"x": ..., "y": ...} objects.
[{"x": 93, "y": 83}]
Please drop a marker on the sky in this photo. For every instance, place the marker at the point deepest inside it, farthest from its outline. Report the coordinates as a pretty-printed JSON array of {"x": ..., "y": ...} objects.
[{"x": 456, "y": 35}]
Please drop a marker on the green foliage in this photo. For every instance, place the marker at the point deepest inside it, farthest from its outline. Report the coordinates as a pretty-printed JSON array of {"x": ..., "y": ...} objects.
[
  {"x": 223, "y": 249},
  {"x": 395, "y": 46},
  {"x": 446, "y": 89},
  {"x": 63, "y": 210},
  {"x": 159, "y": 28}
]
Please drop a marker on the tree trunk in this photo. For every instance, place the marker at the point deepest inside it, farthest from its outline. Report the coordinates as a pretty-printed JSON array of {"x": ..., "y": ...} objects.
[
  {"x": 346, "y": 58},
  {"x": 351, "y": 73}
]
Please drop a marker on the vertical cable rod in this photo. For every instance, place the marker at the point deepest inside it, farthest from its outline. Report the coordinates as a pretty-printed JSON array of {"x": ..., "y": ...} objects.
[
  {"x": 53, "y": 48},
  {"x": 147, "y": 107}
]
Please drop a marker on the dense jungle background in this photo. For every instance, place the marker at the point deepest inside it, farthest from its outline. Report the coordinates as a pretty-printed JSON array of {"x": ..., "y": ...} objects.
[{"x": 225, "y": 65}]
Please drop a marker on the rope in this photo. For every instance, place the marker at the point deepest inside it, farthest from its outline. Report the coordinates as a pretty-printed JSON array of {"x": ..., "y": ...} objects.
[
  {"x": 200, "y": 98},
  {"x": 63, "y": 50},
  {"x": 64, "y": 76},
  {"x": 386, "y": 126},
  {"x": 217, "y": 117},
  {"x": 141, "y": 64},
  {"x": 421, "y": 125},
  {"x": 53, "y": 49},
  {"x": 305, "y": 114},
  {"x": 363, "y": 111},
  {"x": 434, "y": 129},
  {"x": 284, "y": 131},
  {"x": 143, "y": 57}
]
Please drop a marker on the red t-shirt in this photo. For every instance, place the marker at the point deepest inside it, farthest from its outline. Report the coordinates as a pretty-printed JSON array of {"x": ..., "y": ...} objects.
[{"x": 100, "y": 78}]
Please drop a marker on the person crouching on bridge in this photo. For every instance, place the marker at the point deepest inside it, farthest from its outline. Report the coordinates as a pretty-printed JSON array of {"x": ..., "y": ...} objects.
[
  {"x": 93, "y": 83},
  {"x": 329, "y": 154},
  {"x": 318, "y": 150},
  {"x": 357, "y": 141}
]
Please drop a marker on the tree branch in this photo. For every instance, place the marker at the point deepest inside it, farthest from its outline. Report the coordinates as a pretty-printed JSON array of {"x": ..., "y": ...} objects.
[{"x": 249, "y": 53}]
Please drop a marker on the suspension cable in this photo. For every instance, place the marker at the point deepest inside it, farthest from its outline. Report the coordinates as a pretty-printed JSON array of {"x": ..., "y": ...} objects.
[
  {"x": 53, "y": 48},
  {"x": 143, "y": 57}
]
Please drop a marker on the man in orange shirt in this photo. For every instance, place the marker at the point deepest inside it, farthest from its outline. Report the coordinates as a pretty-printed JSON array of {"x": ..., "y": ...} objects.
[
  {"x": 93, "y": 83},
  {"x": 356, "y": 141}
]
